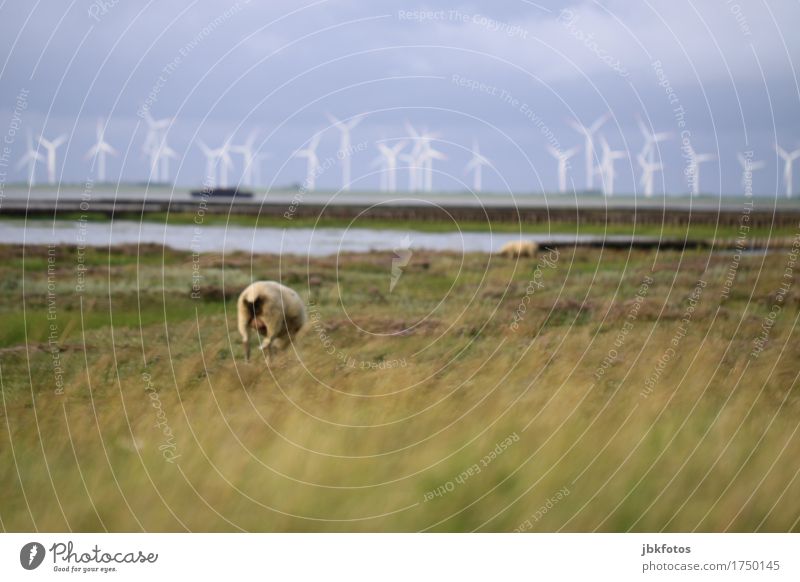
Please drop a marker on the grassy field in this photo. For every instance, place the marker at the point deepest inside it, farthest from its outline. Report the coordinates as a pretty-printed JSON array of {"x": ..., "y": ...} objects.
[
  {"x": 693, "y": 231},
  {"x": 579, "y": 391}
]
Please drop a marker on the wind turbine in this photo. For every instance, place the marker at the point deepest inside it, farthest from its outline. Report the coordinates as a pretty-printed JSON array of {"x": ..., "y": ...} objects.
[
  {"x": 695, "y": 160},
  {"x": 99, "y": 150},
  {"x": 476, "y": 164},
  {"x": 345, "y": 153},
  {"x": 562, "y": 158},
  {"x": 651, "y": 139},
  {"x": 413, "y": 170},
  {"x": 588, "y": 133},
  {"x": 648, "y": 155},
  {"x": 788, "y": 159},
  {"x": 225, "y": 162},
  {"x": 606, "y": 167},
  {"x": 152, "y": 142},
  {"x": 211, "y": 173},
  {"x": 165, "y": 154},
  {"x": 428, "y": 155},
  {"x": 648, "y": 169},
  {"x": 421, "y": 159},
  {"x": 248, "y": 157},
  {"x": 217, "y": 157},
  {"x": 30, "y": 158},
  {"x": 160, "y": 154},
  {"x": 51, "y": 147},
  {"x": 310, "y": 153},
  {"x": 257, "y": 166},
  {"x": 748, "y": 166},
  {"x": 420, "y": 169},
  {"x": 414, "y": 158},
  {"x": 380, "y": 160},
  {"x": 389, "y": 158}
]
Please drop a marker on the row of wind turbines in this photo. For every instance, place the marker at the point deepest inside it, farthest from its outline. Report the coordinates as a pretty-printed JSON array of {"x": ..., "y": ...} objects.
[
  {"x": 419, "y": 158},
  {"x": 647, "y": 161}
]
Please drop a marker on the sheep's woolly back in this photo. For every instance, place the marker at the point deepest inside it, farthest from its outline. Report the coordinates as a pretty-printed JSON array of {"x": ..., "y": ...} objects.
[
  {"x": 278, "y": 307},
  {"x": 519, "y": 248}
]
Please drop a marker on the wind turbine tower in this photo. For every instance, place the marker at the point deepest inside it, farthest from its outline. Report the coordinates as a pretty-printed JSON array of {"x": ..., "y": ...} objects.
[
  {"x": 748, "y": 167},
  {"x": 389, "y": 157},
  {"x": 345, "y": 152},
  {"x": 695, "y": 160},
  {"x": 648, "y": 170},
  {"x": 428, "y": 155},
  {"x": 788, "y": 161},
  {"x": 310, "y": 153},
  {"x": 476, "y": 165},
  {"x": 99, "y": 150},
  {"x": 648, "y": 155},
  {"x": 588, "y": 134},
  {"x": 51, "y": 147},
  {"x": 249, "y": 160},
  {"x": 30, "y": 158},
  {"x": 153, "y": 141},
  {"x": 563, "y": 157},
  {"x": 606, "y": 168}
]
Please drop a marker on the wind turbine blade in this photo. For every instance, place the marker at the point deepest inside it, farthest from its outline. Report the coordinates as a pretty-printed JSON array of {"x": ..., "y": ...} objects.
[
  {"x": 354, "y": 121},
  {"x": 599, "y": 122},
  {"x": 30, "y": 155},
  {"x": 643, "y": 128},
  {"x": 576, "y": 125},
  {"x": 333, "y": 119}
]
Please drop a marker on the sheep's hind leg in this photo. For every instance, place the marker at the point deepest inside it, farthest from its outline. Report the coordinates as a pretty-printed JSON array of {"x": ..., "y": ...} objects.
[
  {"x": 246, "y": 343},
  {"x": 266, "y": 347}
]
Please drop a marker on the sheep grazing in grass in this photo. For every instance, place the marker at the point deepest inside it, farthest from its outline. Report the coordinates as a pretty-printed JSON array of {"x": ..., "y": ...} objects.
[
  {"x": 519, "y": 248},
  {"x": 276, "y": 312}
]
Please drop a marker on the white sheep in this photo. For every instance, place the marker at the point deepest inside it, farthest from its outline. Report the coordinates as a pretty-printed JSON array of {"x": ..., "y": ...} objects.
[
  {"x": 519, "y": 248},
  {"x": 276, "y": 312}
]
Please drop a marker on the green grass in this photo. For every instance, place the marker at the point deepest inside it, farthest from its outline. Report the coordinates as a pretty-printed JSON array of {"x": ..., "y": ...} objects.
[
  {"x": 413, "y": 388},
  {"x": 690, "y": 231}
]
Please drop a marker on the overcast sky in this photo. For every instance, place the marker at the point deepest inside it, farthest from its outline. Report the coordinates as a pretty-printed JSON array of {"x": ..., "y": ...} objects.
[{"x": 508, "y": 74}]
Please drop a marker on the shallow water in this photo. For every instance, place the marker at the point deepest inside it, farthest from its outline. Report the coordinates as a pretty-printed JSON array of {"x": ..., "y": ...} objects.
[{"x": 303, "y": 241}]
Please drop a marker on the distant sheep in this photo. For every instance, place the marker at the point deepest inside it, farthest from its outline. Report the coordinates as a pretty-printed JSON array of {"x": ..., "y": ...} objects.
[
  {"x": 519, "y": 248},
  {"x": 276, "y": 312}
]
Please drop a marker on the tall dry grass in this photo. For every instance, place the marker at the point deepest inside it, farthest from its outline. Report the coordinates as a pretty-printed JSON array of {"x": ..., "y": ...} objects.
[{"x": 314, "y": 443}]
